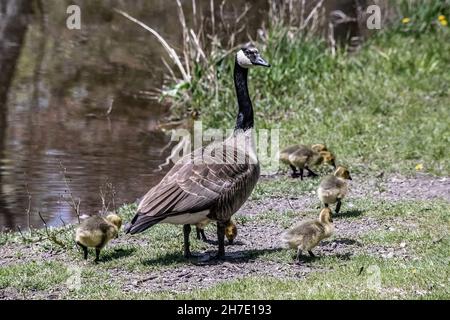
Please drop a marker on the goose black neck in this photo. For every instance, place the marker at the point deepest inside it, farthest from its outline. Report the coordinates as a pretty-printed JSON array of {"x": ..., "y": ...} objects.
[{"x": 244, "y": 119}]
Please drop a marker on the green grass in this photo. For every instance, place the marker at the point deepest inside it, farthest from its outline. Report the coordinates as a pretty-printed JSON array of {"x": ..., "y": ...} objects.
[
  {"x": 384, "y": 108},
  {"x": 33, "y": 276},
  {"x": 423, "y": 227}
]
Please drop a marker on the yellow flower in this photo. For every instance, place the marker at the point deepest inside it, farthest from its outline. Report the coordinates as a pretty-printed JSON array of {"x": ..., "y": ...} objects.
[
  {"x": 406, "y": 20},
  {"x": 419, "y": 167},
  {"x": 441, "y": 17},
  {"x": 444, "y": 22}
]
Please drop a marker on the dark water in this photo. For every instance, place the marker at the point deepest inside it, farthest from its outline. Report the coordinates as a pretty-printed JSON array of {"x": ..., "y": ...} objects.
[
  {"x": 79, "y": 101},
  {"x": 54, "y": 114}
]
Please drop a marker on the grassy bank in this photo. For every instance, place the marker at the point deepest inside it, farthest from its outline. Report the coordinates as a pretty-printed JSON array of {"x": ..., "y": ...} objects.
[
  {"x": 384, "y": 108},
  {"x": 401, "y": 252}
]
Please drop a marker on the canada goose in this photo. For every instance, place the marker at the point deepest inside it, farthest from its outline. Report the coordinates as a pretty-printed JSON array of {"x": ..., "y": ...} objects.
[
  {"x": 301, "y": 157},
  {"x": 305, "y": 235},
  {"x": 202, "y": 185},
  {"x": 230, "y": 230},
  {"x": 96, "y": 232},
  {"x": 333, "y": 188}
]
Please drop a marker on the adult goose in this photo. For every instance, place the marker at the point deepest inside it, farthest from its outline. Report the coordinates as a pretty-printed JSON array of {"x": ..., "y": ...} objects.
[{"x": 213, "y": 183}]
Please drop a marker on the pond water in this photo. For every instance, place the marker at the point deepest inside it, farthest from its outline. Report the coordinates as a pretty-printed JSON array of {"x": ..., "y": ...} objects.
[
  {"x": 76, "y": 110},
  {"x": 55, "y": 115}
]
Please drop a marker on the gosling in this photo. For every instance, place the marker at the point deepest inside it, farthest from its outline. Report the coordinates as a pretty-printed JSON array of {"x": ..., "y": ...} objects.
[
  {"x": 230, "y": 230},
  {"x": 306, "y": 235},
  {"x": 303, "y": 157},
  {"x": 96, "y": 232},
  {"x": 333, "y": 188}
]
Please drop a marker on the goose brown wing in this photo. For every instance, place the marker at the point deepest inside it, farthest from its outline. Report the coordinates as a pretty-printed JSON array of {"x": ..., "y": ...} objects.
[{"x": 189, "y": 187}]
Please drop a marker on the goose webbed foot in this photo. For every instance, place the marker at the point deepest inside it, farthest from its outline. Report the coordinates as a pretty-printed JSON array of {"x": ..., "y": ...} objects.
[
  {"x": 186, "y": 232},
  {"x": 311, "y": 173}
]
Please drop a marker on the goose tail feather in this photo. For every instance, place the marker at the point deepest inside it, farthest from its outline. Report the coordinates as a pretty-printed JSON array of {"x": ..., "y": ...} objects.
[{"x": 141, "y": 223}]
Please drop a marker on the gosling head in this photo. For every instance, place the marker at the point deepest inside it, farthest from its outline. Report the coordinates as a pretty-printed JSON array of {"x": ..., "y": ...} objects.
[
  {"x": 342, "y": 172},
  {"x": 325, "y": 215},
  {"x": 328, "y": 158},
  {"x": 231, "y": 232},
  {"x": 319, "y": 147},
  {"x": 249, "y": 57},
  {"x": 115, "y": 220}
]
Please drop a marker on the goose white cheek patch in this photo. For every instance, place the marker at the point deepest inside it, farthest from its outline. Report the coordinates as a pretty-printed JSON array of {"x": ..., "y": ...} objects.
[{"x": 243, "y": 60}]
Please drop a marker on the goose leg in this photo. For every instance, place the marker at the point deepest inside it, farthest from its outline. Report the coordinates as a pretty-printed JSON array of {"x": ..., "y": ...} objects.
[
  {"x": 294, "y": 171},
  {"x": 310, "y": 172},
  {"x": 198, "y": 233},
  {"x": 301, "y": 174},
  {"x": 221, "y": 239},
  {"x": 97, "y": 254},
  {"x": 311, "y": 254},
  {"x": 338, "y": 206},
  {"x": 85, "y": 250},
  {"x": 203, "y": 235},
  {"x": 186, "y": 232},
  {"x": 299, "y": 254}
]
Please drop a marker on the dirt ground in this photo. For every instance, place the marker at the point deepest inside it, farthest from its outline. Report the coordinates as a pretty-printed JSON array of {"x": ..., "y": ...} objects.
[{"x": 255, "y": 238}]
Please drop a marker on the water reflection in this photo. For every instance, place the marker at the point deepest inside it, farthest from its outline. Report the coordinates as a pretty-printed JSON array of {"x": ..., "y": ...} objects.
[{"x": 79, "y": 99}]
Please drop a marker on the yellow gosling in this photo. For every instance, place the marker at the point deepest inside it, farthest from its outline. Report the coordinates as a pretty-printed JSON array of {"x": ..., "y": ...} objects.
[
  {"x": 333, "y": 188},
  {"x": 306, "y": 235},
  {"x": 230, "y": 230},
  {"x": 96, "y": 232}
]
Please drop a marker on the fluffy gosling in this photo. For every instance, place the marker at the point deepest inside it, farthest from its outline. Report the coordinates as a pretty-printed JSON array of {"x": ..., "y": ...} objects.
[
  {"x": 318, "y": 147},
  {"x": 230, "y": 230},
  {"x": 306, "y": 235},
  {"x": 300, "y": 157},
  {"x": 96, "y": 232},
  {"x": 333, "y": 188}
]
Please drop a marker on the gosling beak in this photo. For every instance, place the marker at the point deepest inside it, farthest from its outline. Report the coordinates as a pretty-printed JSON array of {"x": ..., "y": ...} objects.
[
  {"x": 350, "y": 178},
  {"x": 261, "y": 62},
  {"x": 333, "y": 163}
]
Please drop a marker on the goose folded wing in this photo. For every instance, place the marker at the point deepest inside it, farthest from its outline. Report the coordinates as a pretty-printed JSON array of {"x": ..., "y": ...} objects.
[{"x": 187, "y": 188}]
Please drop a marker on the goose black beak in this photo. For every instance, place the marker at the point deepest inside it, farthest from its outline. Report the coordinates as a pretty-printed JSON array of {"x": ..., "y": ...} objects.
[{"x": 261, "y": 62}]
